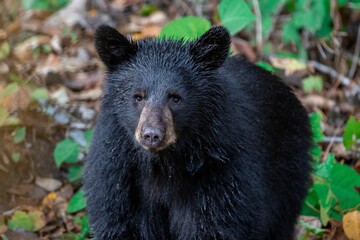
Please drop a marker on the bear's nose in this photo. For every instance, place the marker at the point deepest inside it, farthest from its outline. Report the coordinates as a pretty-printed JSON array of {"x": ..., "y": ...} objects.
[{"x": 152, "y": 137}]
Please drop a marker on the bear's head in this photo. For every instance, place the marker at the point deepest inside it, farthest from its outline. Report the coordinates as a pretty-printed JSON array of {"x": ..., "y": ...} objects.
[{"x": 163, "y": 91}]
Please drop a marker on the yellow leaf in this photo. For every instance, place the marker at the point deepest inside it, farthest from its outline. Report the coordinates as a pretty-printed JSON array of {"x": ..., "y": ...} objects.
[
  {"x": 351, "y": 225},
  {"x": 289, "y": 65}
]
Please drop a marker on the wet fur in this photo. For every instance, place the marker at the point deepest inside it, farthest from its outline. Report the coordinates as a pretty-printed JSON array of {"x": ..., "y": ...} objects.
[{"x": 239, "y": 167}]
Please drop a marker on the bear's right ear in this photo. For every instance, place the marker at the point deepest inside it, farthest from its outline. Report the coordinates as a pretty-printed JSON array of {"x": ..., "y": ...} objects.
[{"x": 113, "y": 47}]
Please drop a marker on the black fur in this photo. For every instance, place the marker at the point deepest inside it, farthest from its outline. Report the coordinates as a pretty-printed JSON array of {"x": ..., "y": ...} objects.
[{"x": 239, "y": 168}]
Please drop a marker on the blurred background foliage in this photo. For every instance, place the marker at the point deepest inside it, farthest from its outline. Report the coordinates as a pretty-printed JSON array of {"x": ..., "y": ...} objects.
[{"x": 50, "y": 87}]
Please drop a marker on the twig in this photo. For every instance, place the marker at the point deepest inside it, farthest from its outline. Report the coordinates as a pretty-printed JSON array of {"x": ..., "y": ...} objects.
[
  {"x": 322, "y": 53},
  {"x": 356, "y": 55},
  {"x": 259, "y": 40},
  {"x": 332, "y": 140},
  {"x": 325, "y": 69}
]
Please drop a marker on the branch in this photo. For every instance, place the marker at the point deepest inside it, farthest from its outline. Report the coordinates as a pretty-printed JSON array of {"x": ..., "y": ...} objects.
[
  {"x": 328, "y": 70},
  {"x": 356, "y": 55},
  {"x": 258, "y": 25},
  {"x": 335, "y": 140}
]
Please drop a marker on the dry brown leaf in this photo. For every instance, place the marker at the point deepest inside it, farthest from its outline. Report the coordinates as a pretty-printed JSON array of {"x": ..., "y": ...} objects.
[
  {"x": 3, "y": 34},
  {"x": 289, "y": 65},
  {"x": 317, "y": 101},
  {"x": 51, "y": 64},
  {"x": 150, "y": 31},
  {"x": 17, "y": 100},
  {"x": 38, "y": 219},
  {"x": 55, "y": 203},
  {"x": 24, "y": 50},
  {"x": 3, "y": 227},
  {"x": 351, "y": 225},
  {"x": 13, "y": 27}
]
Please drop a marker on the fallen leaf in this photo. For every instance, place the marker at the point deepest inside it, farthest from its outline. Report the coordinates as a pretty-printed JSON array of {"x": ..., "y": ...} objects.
[
  {"x": 38, "y": 220},
  {"x": 3, "y": 227},
  {"x": 289, "y": 65},
  {"x": 151, "y": 31},
  {"x": 56, "y": 203},
  {"x": 31, "y": 221},
  {"x": 24, "y": 50},
  {"x": 3, "y": 34},
  {"x": 351, "y": 225},
  {"x": 15, "y": 97},
  {"x": 49, "y": 184}
]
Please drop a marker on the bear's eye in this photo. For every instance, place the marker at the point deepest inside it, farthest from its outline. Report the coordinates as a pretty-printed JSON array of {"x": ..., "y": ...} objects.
[
  {"x": 175, "y": 98},
  {"x": 138, "y": 97}
]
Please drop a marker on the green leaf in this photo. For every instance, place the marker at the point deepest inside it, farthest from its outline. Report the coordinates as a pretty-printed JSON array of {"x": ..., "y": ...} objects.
[
  {"x": 50, "y": 5},
  {"x": 85, "y": 227},
  {"x": 324, "y": 169},
  {"x": 316, "y": 153},
  {"x": 10, "y": 89},
  {"x": 268, "y": 9},
  {"x": 21, "y": 220},
  {"x": 310, "y": 14},
  {"x": 267, "y": 24},
  {"x": 77, "y": 202},
  {"x": 19, "y": 134},
  {"x": 326, "y": 199},
  {"x": 312, "y": 83},
  {"x": 4, "y": 50},
  {"x": 187, "y": 28},
  {"x": 342, "y": 2},
  {"x": 32, "y": 221},
  {"x": 351, "y": 132},
  {"x": 75, "y": 173},
  {"x": 290, "y": 33},
  {"x": 88, "y": 137},
  {"x": 147, "y": 9},
  {"x": 266, "y": 66},
  {"x": 40, "y": 93},
  {"x": 66, "y": 151},
  {"x": 344, "y": 183},
  {"x": 315, "y": 122},
  {"x": 235, "y": 15},
  {"x": 84, "y": 224},
  {"x": 311, "y": 204},
  {"x": 15, "y": 157}
]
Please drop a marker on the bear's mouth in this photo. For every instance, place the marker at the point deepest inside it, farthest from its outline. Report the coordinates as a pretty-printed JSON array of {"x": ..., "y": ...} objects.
[{"x": 153, "y": 149}]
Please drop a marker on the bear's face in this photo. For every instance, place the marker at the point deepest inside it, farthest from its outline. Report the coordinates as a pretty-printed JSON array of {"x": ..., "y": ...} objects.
[{"x": 159, "y": 87}]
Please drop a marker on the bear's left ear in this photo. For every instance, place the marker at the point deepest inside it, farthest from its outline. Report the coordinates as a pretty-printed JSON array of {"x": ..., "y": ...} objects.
[
  {"x": 212, "y": 48},
  {"x": 113, "y": 47}
]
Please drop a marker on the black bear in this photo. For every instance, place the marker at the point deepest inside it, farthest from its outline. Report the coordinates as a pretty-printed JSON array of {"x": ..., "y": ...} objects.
[{"x": 193, "y": 144}]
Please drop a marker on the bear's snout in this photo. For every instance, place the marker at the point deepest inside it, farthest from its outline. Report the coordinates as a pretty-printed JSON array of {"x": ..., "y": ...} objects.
[
  {"x": 155, "y": 130},
  {"x": 152, "y": 137}
]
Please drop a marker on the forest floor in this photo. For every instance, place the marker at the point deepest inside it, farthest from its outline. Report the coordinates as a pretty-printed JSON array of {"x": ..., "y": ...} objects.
[{"x": 51, "y": 80}]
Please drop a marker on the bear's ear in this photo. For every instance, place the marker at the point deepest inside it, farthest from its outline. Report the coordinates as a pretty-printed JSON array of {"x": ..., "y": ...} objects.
[
  {"x": 113, "y": 47},
  {"x": 212, "y": 48}
]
